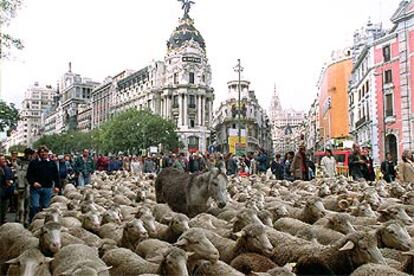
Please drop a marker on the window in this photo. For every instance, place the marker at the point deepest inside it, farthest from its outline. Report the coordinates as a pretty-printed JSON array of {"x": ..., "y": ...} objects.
[
  {"x": 388, "y": 76},
  {"x": 191, "y": 78},
  {"x": 386, "y": 53},
  {"x": 175, "y": 102},
  {"x": 204, "y": 78},
  {"x": 192, "y": 103},
  {"x": 175, "y": 78},
  {"x": 389, "y": 105},
  {"x": 192, "y": 123}
]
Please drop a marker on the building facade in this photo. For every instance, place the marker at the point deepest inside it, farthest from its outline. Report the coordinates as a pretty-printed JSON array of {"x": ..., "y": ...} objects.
[
  {"x": 74, "y": 91},
  {"x": 333, "y": 97},
  {"x": 103, "y": 97},
  {"x": 394, "y": 82},
  {"x": 286, "y": 126},
  {"x": 363, "y": 123},
  {"x": 254, "y": 122},
  {"x": 178, "y": 88},
  {"x": 37, "y": 99}
]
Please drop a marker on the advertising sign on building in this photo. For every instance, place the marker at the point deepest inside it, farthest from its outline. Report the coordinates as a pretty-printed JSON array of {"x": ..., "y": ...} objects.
[{"x": 233, "y": 139}]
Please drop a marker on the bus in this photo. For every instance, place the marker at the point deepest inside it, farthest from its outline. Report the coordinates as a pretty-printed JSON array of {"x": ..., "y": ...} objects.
[{"x": 341, "y": 157}]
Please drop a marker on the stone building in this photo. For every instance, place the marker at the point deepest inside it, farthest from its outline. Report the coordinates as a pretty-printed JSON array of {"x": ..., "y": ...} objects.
[
  {"x": 178, "y": 88},
  {"x": 84, "y": 117},
  {"x": 285, "y": 125},
  {"x": 37, "y": 99},
  {"x": 75, "y": 90},
  {"x": 255, "y": 124}
]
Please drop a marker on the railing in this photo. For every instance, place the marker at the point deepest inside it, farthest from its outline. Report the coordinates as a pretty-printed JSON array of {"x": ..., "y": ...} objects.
[{"x": 360, "y": 122}]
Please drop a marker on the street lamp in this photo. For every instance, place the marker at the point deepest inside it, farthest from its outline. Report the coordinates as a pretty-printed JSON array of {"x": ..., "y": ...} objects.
[{"x": 239, "y": 69}]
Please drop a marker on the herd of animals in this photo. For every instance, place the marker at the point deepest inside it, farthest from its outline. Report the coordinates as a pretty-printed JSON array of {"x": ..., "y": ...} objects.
[{"x": 211, "y": 224}]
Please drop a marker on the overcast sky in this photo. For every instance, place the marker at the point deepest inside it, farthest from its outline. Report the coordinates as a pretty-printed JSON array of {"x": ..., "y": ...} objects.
[{"x": 279, "y": 41}]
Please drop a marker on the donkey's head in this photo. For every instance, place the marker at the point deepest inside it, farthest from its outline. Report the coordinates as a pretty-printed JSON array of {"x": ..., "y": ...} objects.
[{"x": 217, "y": 186}]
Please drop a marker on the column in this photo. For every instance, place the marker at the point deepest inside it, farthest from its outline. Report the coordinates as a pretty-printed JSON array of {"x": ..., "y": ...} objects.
[
  {"x": 203, "y": 110},
  {"x": 167, "y": 107},
  {"x": 180, "y": 110},
  {"x": 199, "y": 110},
  {"x": 210, "y": 112},
  {"x": 185, "y": 119}
]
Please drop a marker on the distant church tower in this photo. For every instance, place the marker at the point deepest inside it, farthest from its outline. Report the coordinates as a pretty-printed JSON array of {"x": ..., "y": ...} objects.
[
  {"x": 275, "y": 105},
  {"x": 187, "y": 96}
]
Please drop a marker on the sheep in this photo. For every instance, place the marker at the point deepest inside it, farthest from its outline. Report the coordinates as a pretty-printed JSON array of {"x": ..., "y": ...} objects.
[
  {"x": 252, "y": 262},
  {"x": 86, "y": 236},
  {"x": 195, "y": 241},
  {"x": 206, "y": 268},
  {"x": 125, "y": 262},
  {"x": 30, "y": 262},
  {"x": 377, "y": 270},
  {"x": 111, "y": 231},
  {"x": 343, "y": 257},
  {"x": 78, "y": 259},
  {"x": 312, "y": 211},
  {"x": 152, "y": 248},
  {"x": 245, "y": 217},
  {"x": 393, "y": 234},
  {"x": 340, "y": 222},
  {"x": 287, "y": 248},
  {"x": 394, "y": 212},
  {"x": 251, "y": 239},
  {"x": 177, "y": 225},
  {"x": 208, "y": 221},
  {"x": 106, "y": 245},
  {"x": 91, "y": 221},
  {"x": 322, "y": 235},
  {"x": 111, "y": 215},
  {"x": 133, "y": 233}
]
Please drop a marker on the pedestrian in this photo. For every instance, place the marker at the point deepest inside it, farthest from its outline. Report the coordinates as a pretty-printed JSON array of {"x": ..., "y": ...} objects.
[
  {"x": 356, "y": 164},
  {"x": 126, "y": 165},
  {"x": 277, "y": 167},
  {"x": 328, "y": 164},
  {"x": 262, "y": 161},
  {"x": 101, "y": 163},
  {"x": 406, "y": 167},
  {"x": 388, "y": 168},
  {"x": 231, "y": 164},
  {"x": 43, "y": 177},
  {"x": 84, "y": 167},
  {"x": 177, "y": 163},
  {"x": 286, "y": 166},
  {"x": 136, "y": 165},
  {"x": 23, "y": 187},
  {"x": 368, "y": 169},
  {"x": 150, "y": 165},
  {"x": 311, "y": 167},
  {"x": 6, "y": 190},
  {"x": 63, "y": 170},
  {"x": 299, "y": 167}
]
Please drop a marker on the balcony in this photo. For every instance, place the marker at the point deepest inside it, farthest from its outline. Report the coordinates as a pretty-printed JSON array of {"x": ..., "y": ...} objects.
[{"x": 361, "y": 122}]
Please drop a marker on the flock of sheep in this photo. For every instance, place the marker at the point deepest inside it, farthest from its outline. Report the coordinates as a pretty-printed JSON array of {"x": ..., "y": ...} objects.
[{"x": 118, "y": 226}]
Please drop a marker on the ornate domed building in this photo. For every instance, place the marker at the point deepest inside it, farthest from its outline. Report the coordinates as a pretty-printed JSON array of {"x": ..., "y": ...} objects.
[{"x": 178, "y": 88}]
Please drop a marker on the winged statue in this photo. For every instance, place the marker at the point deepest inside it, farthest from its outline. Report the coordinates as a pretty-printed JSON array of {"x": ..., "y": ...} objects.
[{"x": 186, "y": 5}]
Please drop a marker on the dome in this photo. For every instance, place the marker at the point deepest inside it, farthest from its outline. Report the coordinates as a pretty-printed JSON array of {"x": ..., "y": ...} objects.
[{"x": 185, "y": 32}]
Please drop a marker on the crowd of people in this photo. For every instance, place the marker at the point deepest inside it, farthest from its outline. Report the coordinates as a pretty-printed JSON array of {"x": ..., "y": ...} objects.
[{"x": 39, "y": 174}]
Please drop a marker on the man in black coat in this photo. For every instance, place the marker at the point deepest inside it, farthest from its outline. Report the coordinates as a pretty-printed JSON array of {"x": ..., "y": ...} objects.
[{"x": 43, "y": 178}]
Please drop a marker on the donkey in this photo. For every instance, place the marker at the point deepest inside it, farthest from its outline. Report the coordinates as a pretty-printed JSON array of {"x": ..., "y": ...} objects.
[{"x": 189, "y": 193}]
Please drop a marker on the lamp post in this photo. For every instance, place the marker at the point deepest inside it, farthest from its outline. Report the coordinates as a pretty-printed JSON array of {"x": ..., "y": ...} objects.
[
  {"x": 384, "y": 116},
  {"x": 239, "y": 69}
]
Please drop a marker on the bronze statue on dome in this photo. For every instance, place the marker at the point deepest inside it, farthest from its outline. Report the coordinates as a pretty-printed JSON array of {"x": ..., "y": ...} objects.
[{"x": 186, "y": 5}]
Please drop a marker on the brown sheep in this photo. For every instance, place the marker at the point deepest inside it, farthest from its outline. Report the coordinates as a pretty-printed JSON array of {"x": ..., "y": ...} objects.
[{"x": 252, "y": 262}]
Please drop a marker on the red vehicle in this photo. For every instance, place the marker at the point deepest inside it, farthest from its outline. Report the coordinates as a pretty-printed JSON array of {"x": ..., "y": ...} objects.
[{"x": 342, "y": 159}]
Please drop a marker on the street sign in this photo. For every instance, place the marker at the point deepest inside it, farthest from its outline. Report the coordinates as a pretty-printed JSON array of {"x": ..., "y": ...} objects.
[{"x": 240, "y": 149}]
